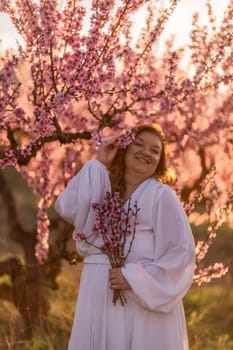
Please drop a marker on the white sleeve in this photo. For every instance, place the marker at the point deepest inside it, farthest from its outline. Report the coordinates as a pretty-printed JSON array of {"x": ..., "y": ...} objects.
[
  {"x": 159, "y": 285},
  {"x": 88, "y": 186}
]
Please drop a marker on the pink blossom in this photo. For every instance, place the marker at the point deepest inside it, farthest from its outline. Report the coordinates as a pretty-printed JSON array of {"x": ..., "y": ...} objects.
[
  {"x": 115, "y": 226},
  {"x": 9, "y": 160},
  {"x": 66, "y": 81},
  {"x": 212, "y": 271},
  {"x": 44, "y": 122},
  {"x": 80, "y": 235},
  {"x": 124, "y": 139}
]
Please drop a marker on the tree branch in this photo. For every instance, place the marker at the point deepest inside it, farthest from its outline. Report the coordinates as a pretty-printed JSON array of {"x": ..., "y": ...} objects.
[
  {"x": 186, "y": 190},
  {"x": 38, "y": 143}
]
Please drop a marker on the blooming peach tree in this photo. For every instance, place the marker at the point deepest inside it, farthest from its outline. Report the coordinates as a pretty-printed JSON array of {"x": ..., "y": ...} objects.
[{"x": 77, "y": 72}]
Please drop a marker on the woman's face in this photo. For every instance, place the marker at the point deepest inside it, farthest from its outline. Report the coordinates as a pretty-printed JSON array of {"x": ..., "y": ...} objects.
[{"x": 143, "y": 154}]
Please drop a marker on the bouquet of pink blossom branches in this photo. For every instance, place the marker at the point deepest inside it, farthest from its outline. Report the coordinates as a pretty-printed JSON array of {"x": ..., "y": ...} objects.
[{"x": 114, "y": 224}]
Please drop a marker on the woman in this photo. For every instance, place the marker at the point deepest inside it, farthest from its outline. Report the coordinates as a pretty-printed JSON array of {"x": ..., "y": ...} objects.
[{"x": 159, "y": 269}]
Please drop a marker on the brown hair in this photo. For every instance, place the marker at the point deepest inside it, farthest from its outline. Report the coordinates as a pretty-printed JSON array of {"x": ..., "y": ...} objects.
[{"x": 162, "y": 173}]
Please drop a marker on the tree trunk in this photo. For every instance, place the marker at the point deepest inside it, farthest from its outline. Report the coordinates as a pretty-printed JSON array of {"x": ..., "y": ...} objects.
[{"x": 29, "y": 279}]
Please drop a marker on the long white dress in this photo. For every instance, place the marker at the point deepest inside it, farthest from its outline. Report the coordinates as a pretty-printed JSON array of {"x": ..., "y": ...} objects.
[{"x": 159, "y": 269}]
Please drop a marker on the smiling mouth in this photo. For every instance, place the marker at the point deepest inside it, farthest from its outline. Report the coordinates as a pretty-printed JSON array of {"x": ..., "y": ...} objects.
[{"x": 141, "y": 159}]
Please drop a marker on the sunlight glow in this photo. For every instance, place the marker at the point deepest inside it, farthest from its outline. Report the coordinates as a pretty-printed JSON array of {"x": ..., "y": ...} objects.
[{"x": 178, "y": 25}]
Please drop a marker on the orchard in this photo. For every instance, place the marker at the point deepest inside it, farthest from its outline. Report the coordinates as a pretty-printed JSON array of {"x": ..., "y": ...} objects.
[{"x": 78, "y": 74}]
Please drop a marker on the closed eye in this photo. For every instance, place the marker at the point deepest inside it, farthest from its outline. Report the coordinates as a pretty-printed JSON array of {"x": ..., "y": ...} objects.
[
  {"x": 137, "y": 143},
  {"x": 155, "y": 151}
]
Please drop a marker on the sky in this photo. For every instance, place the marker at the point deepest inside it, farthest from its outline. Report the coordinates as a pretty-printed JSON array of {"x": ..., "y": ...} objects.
[{"x": 179, "y": 24}]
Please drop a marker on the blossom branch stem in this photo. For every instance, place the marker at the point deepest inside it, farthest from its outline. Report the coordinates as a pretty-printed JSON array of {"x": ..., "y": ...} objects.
[
  {"x": 64, "y": 138},
  {"x": 52, "y": 66},
  {"x": 157, "y": 31},
  {"x": 121, "y": 17},
  {"x": 134, "y": 232}
]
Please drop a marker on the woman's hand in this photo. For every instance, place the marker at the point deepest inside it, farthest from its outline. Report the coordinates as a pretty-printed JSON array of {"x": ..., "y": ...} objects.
[
  {"x": 107, "y": 152},
  {"x": 117, "y": 280}
]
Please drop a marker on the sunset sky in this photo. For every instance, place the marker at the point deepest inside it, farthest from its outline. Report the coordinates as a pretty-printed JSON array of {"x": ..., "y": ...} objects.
[{"x": 179, "y": 24}]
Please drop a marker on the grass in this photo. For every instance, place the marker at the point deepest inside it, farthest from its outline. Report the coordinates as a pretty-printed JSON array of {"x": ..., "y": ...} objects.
[
  {"x": 209, "y": 314},
  {"x": 62, "y": 305}
]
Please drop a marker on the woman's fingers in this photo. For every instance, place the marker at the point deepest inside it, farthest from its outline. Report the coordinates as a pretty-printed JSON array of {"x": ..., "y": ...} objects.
[
  {"x": 107, "y": 152},
  {"x": 110, "y": 140},
  {"x": 117, "y": 280}
]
